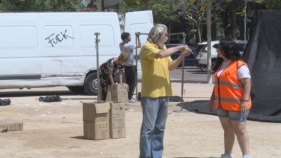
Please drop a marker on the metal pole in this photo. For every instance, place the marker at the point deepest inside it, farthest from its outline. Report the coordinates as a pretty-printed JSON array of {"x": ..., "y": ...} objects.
[
  {"x": 97, "y": 58},
  {"x": 137, "y": 61},
  {"x": 102, "y": 5},
  {"x": 182, "y": 76},
  {"x": 136, "y": 66},
  {"x": 209, "y": 39},
  {"x": 245, "y": 21},
  {"x": 169, "y": 30},
  {"x": 176, "y": 33}
]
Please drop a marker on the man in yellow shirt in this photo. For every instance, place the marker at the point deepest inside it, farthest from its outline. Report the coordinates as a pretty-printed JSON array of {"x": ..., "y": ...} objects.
[{"x": 156, "y": 89}]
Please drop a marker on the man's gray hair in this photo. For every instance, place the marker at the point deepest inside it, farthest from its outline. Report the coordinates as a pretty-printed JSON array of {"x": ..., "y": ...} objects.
[{"x": 156, "y": 32}]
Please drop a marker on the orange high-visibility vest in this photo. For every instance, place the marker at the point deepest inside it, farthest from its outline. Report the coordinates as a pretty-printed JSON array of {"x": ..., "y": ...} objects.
[{"x": 229, "y": 89}]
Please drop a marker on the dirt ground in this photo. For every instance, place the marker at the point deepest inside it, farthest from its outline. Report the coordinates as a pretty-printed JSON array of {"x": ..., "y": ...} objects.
[{"x": 55, "y": 130}]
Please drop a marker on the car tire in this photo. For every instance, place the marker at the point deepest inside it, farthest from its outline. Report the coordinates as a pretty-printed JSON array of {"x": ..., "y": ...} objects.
[
  {"x": 90, "y": 84},
  {"x": 203, "y": 68},
  {"x": 213, "y": 62},
  {"x": 76, "y": 89}
]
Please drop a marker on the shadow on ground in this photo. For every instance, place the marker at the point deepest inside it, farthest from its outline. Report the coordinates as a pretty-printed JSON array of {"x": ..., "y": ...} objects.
[
  {"x": 79, "y": 137},
  {"x": 175, "y": 99},
  {"x": 195, "y": 157},
  {"x": 188, "y": 81},
  {"x": 202, "y": 107}
]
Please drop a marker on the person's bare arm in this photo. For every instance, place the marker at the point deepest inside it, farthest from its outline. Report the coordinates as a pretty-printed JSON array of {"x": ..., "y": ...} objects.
[
  {"x": 168, "y": 52},
  {"x": 151, "y": 53},
  {"x": 247, "y": 88},
  {"x": 174, "y": 64},
  {"x": 110, "y": 75},
  {"x": 246, "y": 96}
]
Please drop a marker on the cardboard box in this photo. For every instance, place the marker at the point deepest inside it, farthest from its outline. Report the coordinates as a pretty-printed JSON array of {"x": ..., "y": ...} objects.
[
  {"x": 117, "y": 93},
  {"x": 96, "y": 120},
  {"x": 10, "y": 125},
  {"x": 117, "y": 120}
]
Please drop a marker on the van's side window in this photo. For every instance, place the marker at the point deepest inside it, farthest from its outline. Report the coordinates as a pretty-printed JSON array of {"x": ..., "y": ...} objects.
[{"x": 18, "y": 37}]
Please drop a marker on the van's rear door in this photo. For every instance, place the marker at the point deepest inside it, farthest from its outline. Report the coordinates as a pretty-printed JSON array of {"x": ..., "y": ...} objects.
[{"x": 141, "y": 21}]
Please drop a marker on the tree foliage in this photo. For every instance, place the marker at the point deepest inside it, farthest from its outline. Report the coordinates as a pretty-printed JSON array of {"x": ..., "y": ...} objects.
[
  {"x": 39, "y": 5},
  {"x": 163, "y": 12},
  {"x": 270, "y": 4},
  {"x": 136, "y": 3},
  {"x": 195, "y": 12}
]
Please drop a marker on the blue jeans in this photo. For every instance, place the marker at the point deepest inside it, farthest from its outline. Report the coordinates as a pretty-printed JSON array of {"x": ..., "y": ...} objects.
[{"x": 155, "y": 112}]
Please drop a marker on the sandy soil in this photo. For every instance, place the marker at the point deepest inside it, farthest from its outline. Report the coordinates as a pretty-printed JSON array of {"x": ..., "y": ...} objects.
[{"x": 58, "y": 132}]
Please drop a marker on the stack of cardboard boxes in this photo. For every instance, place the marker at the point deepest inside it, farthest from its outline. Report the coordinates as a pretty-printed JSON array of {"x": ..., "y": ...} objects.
[{"x": 106, "y": 120}]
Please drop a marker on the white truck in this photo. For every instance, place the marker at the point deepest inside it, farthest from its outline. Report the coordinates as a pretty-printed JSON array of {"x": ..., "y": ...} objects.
[{"x": 59, "y": 49}]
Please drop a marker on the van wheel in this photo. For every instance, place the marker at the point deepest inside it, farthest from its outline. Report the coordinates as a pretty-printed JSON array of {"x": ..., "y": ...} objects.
[
  {"x": 76, "y": 89},
  {"x": 91, "y": 84}
]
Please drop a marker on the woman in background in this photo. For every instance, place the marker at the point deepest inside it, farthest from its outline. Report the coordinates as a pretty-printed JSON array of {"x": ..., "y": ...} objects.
[{"x": 108, "y": 70}]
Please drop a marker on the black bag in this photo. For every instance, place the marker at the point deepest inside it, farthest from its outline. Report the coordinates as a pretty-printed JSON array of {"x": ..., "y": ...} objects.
[
  {"x": 139, "y": 96},
  {"x": 50, "y": 98},
  {"x": 5, "y": 102}
]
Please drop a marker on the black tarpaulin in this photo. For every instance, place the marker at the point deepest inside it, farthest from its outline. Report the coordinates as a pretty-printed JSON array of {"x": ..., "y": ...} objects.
[{"x": 263, "y": 55}]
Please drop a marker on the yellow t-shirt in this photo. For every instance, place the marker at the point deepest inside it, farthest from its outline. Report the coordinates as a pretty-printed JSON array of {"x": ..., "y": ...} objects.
[{"x": 155, "y": 73}]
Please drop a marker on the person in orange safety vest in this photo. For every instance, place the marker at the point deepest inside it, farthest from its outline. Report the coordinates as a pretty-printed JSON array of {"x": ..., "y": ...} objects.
[{"x": 231, "y": 96}]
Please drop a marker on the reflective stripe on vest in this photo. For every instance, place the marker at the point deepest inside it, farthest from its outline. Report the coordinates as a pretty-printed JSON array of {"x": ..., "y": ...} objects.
[
  {"x": 230, "y": 100},
  {"x": 234, "y": 85}
]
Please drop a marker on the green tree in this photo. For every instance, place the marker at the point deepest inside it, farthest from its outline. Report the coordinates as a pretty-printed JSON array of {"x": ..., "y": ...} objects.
[
  {"x": 195, "y": 12},
  {"x": 140, "y": 4},
  {"x": 58, "y": 5},
  {"x": 237, "y": 10},
  {"x": 270, "y": 4},
  {"x": 163, "y": 11},
  {"x": 39, "y": 5},
  {"x": 16, "y": 5}
]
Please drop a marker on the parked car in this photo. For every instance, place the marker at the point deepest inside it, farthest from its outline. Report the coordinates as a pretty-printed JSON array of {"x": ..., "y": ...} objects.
[
  {"x": 198, "y": 48},
  {"x": 202, "y": 55},
  {"x": 202, "y": 62},
  {"x": 189, "y": 60}
]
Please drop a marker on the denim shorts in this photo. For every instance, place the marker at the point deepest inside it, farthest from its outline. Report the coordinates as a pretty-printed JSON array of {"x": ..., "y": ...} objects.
[{"x": 235, "y": 116}]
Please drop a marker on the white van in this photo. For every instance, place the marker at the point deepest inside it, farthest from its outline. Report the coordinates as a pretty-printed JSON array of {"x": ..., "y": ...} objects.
[{"x": 58, "y": 49}]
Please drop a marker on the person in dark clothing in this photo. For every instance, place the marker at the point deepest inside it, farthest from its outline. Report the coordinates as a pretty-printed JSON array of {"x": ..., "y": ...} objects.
[
  {"x": 108, "y": 70},
  {"x": 130, "y": 65}
]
